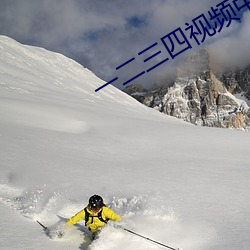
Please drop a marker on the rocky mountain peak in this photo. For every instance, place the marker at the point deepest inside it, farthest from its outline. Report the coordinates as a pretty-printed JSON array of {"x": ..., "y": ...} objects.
[
  {"x": 197, "y": 64},
  {"x": 200, "y": 96}
]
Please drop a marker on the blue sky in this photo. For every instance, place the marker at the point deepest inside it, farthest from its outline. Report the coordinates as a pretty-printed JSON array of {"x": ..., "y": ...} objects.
[{"x": 102, "y": 34}]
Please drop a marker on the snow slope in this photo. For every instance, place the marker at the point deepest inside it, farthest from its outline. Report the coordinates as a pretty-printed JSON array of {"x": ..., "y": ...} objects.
[{"x": 60, "y": 142}]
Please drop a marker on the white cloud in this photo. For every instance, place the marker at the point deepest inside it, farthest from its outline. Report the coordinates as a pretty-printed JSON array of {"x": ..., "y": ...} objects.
[
  {"x": 97, "y": 33},
  {"x": 232, "y": 49}
]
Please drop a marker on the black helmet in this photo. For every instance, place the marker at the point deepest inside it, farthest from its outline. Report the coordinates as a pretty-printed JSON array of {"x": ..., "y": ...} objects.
[{"x": 96, "y": 202}]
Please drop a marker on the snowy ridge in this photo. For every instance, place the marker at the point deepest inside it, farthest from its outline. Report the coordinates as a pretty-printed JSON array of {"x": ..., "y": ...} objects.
[
  {"x": 39, "y": 72},
  {"x": 61, "y": 142}
]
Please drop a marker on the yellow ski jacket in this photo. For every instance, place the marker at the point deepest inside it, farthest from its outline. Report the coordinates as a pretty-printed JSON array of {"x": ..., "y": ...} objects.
[{"x": 94, "y": 223}]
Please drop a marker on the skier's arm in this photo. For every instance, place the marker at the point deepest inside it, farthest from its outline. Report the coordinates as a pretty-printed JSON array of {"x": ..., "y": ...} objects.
[
  {"x": 110, "y": 214},
  {"x": 77, "y": 217}
]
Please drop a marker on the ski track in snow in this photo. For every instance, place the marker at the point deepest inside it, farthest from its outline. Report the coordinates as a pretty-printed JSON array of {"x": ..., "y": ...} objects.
[{"x": 145, "y": 214}]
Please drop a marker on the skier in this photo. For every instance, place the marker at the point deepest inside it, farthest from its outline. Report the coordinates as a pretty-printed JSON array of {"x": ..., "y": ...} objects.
[{"x": 95, "y": 214}]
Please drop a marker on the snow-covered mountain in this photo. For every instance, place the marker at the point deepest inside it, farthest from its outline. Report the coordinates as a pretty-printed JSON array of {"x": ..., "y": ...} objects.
[
  {"x": 61, "y": 142},
  {"x": 200, "y": 96}
]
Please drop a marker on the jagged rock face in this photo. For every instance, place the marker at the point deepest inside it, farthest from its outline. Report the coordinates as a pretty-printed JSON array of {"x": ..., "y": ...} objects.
[
  {"x": 200, "y": 102},
  {"x": 197, "y": 96},
  {"x": 137, "y": 91},
  {"x": 237, "y": 81}
]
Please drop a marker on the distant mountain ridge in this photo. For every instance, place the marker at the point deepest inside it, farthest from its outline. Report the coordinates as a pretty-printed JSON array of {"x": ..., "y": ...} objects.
[{"x": 200, "y": 96}]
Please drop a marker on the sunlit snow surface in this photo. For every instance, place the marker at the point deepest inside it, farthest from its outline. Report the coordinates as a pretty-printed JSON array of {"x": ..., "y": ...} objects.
[{"x": 60, "y": 142}]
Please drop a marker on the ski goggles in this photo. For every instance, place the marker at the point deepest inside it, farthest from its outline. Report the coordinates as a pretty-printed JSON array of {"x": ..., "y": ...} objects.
[{"x": 94, "y": 208}]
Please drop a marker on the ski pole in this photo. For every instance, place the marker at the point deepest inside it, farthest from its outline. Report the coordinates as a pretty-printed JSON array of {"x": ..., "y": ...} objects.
[
  {"x": 45, "y": 228},
  {"x": 146, "y": 238}
]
